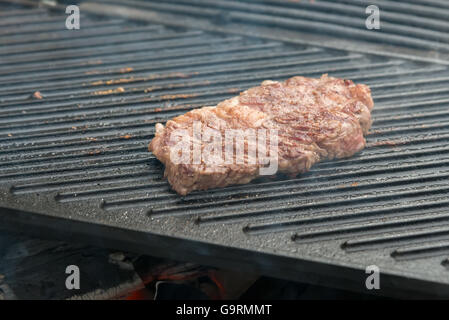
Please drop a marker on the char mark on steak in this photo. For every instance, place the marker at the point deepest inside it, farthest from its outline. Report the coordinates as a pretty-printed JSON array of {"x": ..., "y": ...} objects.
[{"x": 314, "y": 120}]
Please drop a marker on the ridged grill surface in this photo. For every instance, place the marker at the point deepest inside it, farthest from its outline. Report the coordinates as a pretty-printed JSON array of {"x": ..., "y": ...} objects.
[{"x": 80, "y": 152}]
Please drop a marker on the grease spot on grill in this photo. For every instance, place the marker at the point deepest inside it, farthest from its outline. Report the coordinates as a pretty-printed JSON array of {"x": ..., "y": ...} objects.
[
  {"x": 445, "y": 263},
  {"x": 37, "y": 95},
  {"x": 110, "y": 91},
  {"x": 126, "y": 70},
  {"x": 177, "y": 96}
]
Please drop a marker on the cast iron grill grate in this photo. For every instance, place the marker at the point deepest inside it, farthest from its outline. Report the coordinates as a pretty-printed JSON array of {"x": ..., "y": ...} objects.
[{"x": 76, "y": 163}]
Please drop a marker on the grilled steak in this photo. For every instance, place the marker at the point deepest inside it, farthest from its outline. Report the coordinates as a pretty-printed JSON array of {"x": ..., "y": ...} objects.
[{"x": 303, "y": 120}]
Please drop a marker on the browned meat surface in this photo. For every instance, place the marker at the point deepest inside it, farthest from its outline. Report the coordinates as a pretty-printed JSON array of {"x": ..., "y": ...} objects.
[{"x": 313, "y": 120}]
